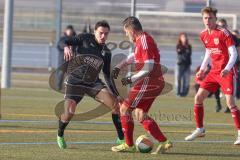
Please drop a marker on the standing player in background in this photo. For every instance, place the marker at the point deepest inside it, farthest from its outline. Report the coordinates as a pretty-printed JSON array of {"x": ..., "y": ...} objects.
[
  {"x": 220, "y": 48},
  {"x": 236, "y": 38},
  {"x": 147, "y": 84},
  {"x": 69, "y": 32},
  {"x": 83, "y": 79},
  {"x": 223, "y": 23}
]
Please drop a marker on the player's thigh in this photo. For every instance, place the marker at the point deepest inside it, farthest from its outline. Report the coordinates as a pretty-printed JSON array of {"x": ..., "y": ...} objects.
[
  {"x": 145, "y": 104},
  {"x": 209, "y": 84},
  {"x": 74, "y": 92},
  {"x": 201, "y": 95},
  {"x": 142, "y": 95},
  {"x": 106, "y": 97},
  {"x": 227, "y": 84}
]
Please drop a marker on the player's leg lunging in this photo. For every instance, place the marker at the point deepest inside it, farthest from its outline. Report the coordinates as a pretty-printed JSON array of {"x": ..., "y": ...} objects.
[
  {"x": 105, "y": 97},
  {"x": 69, "y": 110},
  {"x": 153, "y": 129}
]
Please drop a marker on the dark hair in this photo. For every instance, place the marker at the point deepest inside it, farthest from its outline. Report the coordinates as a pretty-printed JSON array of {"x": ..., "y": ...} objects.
[
  {"x": 69, "y": 27},
  {"x": 133, "y": 23},
  {"x": 102, "y": 23},
  {"x": 209, "y": 10},
  {"x": 179, "y": 39},
  {"x": 223, "y": 21}
]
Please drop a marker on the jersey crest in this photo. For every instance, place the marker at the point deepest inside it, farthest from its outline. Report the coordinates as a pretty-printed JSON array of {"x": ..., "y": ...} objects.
[{"x": 216, "y": 41}]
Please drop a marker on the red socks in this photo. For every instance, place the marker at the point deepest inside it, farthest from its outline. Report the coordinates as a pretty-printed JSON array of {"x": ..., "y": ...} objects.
[
  {"x": 152, "y": 128},
  {"x": 236, "y": 116},
  {"x": 127, "y": 127},
  {"x": 198, "y": 114}
]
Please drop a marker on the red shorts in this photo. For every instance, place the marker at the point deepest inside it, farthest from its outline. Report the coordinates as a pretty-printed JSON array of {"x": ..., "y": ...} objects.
[
  {"x": 143, "y": 93},
  {"x": 213, "y": 81}
]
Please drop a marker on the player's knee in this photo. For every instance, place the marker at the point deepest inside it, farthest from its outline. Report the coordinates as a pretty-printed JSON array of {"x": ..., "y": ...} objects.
[
  {"x": 124, "y": 110},
  {"x": 70, "y": 107},
  {"x": 230, "y": 104},
  {"x": 199, "y": 98},
  {"x": 140, "y": 115},
  {"x": 116, "y": 110},
  {"x": 230, "y": 101}
]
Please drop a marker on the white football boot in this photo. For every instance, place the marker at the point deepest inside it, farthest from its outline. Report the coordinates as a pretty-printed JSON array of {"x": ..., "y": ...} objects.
[
  {"x": 237, "y": 142},
  {"x": 199, "y": 132}
]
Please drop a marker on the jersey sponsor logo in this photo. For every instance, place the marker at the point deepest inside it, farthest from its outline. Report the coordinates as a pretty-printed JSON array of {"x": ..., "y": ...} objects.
[
  {"x": 228, "y": 89},
  {"x": 215, "y": 51},
  {"x": 95, "y": 62},
  {"x": 206, "y": 42},
  {"x": 216, "y": 41}
]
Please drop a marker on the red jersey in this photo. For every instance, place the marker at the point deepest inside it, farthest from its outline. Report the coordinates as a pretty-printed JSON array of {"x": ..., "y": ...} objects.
[
  {"x": 217, "y": 43},
  {"x": 146, "y": 49}
]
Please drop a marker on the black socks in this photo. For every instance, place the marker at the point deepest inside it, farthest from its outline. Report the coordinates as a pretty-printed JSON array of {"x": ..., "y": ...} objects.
[
  {"x": 61, "y": 128},
  {"x": 118, "y": 126}
]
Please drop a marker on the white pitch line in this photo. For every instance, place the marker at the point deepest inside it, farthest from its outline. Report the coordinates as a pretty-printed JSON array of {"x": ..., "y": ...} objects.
[
  {"x": 112, "y": 142},
  {"x": 99, "y": 122}
]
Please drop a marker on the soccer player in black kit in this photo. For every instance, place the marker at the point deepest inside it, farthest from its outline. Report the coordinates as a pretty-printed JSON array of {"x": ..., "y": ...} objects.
[{"x": 84, "y": 65}]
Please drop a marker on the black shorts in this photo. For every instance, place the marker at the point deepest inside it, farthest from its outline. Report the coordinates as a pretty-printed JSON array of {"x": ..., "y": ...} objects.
[{"x": 77, "y": 91}]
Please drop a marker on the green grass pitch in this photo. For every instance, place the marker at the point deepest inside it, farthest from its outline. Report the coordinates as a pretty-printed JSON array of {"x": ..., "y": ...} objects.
[{"x": 32, "y": 103}]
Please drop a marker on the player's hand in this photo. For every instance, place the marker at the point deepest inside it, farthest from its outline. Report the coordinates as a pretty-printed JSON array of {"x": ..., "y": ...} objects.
[
  {"x": 200, "y": 74},
  {"x": 126, "y": 81},
  {"x": 115, "y": 72},
  {"x": 224, "y": 73},
  {"x": 68, "y": 53}
]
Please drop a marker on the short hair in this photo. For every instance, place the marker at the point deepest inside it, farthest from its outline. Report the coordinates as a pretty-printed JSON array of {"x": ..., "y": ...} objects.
[
  {"x": 209, "y": 10},
  {"x": 69, "y": 27},
  {"x": 222, "y": 20},
  {"x": 132, "y": 22},
  {"x": 102, "y": 23}
]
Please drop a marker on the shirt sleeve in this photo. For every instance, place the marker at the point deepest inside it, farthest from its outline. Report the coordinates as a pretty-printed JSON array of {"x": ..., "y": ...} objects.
[
  {"x": 206, "y": 60},
  {"x": 148, "y": 49},
  {"x": 227, "y": 38},
  {"x": 233, "y": 57},
  {"x": 73, "y": 41}
]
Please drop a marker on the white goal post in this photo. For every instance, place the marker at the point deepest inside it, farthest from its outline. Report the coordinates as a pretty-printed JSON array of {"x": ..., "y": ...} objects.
[{"x": 187, "y": 14}]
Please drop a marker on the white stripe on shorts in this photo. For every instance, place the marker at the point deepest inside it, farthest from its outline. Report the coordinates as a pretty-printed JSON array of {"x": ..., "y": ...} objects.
[{"x": 141, "y": 92}]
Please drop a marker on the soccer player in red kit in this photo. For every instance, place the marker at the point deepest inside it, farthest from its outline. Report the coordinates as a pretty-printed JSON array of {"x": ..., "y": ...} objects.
[
  {"x": 147, "y": 84},
  {"x": 221, "y": 50}
]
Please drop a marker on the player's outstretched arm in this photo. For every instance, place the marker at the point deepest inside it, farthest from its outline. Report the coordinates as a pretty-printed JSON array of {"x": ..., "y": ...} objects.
[{"x": 129, "y": 60}]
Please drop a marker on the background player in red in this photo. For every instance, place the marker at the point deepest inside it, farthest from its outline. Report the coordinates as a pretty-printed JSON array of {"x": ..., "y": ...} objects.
[
  {"x": 147, "y": 84},
  {"x": 220, "y": 48}
]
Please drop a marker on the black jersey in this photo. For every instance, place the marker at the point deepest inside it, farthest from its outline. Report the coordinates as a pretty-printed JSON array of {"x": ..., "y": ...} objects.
[{"x": 89, "y": 59}]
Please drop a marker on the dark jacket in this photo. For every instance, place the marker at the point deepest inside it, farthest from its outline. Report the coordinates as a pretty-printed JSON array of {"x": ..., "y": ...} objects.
[
  {"x": 184, "y": 54},
  {"x": 60, "y": 48}
]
